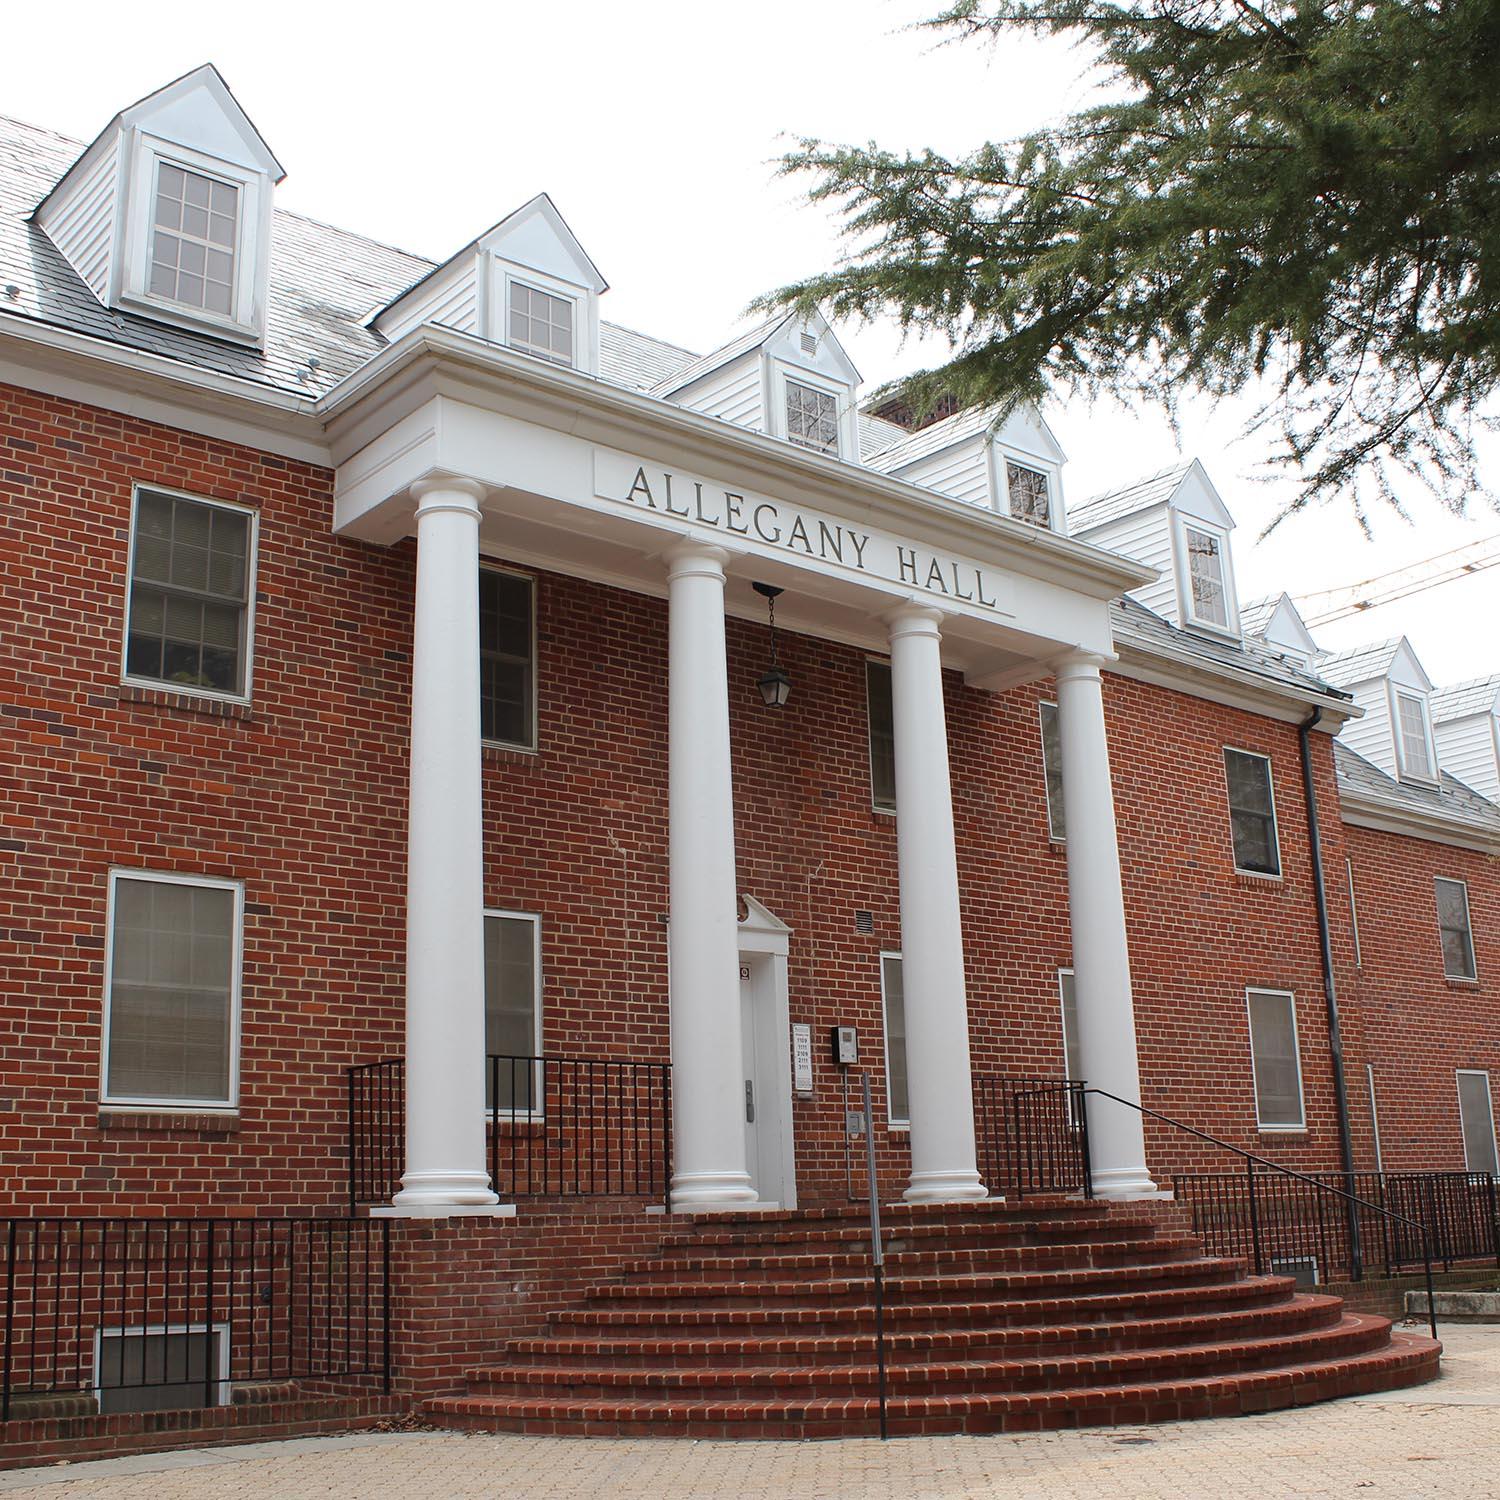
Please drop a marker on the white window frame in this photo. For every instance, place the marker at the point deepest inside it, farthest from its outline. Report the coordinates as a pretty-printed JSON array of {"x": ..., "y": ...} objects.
[
  {"x": 537, "y": 991},
  {"x": 175, "y": 1106},
  {"x": 1003, "y": 467},
  {"x": 1483, "y": 1073},
  {"x": 893, "y": 1122},
  {"x": 1291, "y": 999},
  {"x": 536, "y": 281},
  {"x": 1359, "y": 962},
  {"x": 1276, "y": 874},
  {"x": 246, "y": 322},
  {"x": 156, "y": 684},
  {"x": 222, "y": 1382},
  {"x": 996, "y": 459},
  {"x": 536, "y": 737},
  {"x": 1062, "y": 1008},
  {"x": 1053, "y": 836},
  {"x": 843, "y": 400},
  {"x": 1431, "y": 777},
  {"x": 876, "y": 805},
  {"x": 1231, "y": 627},
  {"x": 1468, "y": 923}
]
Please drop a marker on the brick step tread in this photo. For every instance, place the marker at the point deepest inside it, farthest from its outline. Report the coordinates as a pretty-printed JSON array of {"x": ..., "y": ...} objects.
[
  {"x": 1406, "y": 1359},
  {"x": 1077, "y": 1253},
  {"x": 1305, "y": 1311},
  {"x": 1115, "y": 1226},
  {"x": 1032, "y": 1205},
  {"x": 1009, "y": 1283},
  {"x": 1355, "y": 1333},
  {"x": 1234, "y": 1289}
]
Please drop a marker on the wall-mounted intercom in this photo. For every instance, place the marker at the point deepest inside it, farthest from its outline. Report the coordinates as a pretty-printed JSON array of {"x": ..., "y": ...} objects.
[{"x": 845, "y": 1046}]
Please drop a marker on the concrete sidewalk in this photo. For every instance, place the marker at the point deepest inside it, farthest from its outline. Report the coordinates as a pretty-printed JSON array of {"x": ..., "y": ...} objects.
[{"x": 1440, "y": 1439}]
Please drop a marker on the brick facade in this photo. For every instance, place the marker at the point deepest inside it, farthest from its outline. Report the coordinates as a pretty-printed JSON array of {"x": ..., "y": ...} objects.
[{"x": 302, "y": 795}]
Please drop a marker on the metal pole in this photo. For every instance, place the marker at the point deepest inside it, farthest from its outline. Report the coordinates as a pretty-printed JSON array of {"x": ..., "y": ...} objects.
[
  {"x": 10, "y": 1314},
  {"x": 877, "y": 1252},
  {"x": 1427, "y": 1266},
  {"x": 1260, "y": 1269}
]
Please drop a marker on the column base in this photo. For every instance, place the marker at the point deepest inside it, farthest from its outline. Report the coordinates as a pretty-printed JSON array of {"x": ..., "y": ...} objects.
[
  {"x": 1124, "y": 1183},
  {"x": 445, "y": 1190},
  {"x": 708, "y": 1192},
  {"x": 945, "y": 1187},
  {"x": 444, "y": 1211}
]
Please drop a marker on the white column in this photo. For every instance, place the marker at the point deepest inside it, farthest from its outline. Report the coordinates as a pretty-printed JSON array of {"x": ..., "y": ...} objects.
[
  {"x": 445, "y": 1147},
  {"x": 708, "y": 1079},
  {"x": 1101, "y": 957},
  {"x": 940, "y": 1091}
]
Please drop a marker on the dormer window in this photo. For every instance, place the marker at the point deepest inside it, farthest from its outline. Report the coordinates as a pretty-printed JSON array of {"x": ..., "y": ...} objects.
[
  {"x": 1027, "y": 489},
  {"x": 194, "y": 234},
  {"x": 1412, "y": 738},
  {"x": 812, "y": 417},
  {"x": 541, "y": 324},
  {"x": 1207, "y": 598}
]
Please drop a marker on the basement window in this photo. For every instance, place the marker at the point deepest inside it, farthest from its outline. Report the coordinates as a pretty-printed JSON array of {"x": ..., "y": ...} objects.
[{"x": 175, "y": 1368}]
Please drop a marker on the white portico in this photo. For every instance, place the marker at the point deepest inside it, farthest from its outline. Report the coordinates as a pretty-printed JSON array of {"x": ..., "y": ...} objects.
[{"x": 476, "y": 449}]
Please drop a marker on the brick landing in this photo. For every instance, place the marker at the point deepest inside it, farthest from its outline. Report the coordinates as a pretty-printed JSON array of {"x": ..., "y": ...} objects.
[{"x": 1001, "y": 1317}]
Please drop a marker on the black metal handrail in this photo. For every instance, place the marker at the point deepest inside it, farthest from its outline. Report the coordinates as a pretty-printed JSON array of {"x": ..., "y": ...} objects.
[
  {"x": 1032, "y": 1134},
  {"x": 118, "y": 1308},
  {"x": 557, "y": 1126},
  {"x": 1253, "y": 1204}
]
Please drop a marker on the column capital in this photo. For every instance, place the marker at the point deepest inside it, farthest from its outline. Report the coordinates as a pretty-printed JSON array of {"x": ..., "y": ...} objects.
[
  {"x": 1075, "y": 666},
  {"x": 691, "y": 558},
  {"x": 914, "y": 617},
  {"x": 448, "y": 492}
]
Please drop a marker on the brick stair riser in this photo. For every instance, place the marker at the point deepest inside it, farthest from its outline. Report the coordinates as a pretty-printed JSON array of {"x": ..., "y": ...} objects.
[
  {"x": 654, "y": 1352},
  {"x": 1041, "y": 1206},
  {"x": 813, "y": 1319},
  {"x": 970, "y": 1377},
  {"x": 1413, "y": 1361},
  {"x": 1040, "y": 1232},
  {"x": 963, "y": 1259}
]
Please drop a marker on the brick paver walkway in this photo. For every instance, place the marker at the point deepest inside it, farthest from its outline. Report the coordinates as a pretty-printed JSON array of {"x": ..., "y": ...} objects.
[{"x": 1441, "y": 1439}]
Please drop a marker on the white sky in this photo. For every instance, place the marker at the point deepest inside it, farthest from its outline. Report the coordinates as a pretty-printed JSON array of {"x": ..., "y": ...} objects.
[{"x": 653, "y": 125}]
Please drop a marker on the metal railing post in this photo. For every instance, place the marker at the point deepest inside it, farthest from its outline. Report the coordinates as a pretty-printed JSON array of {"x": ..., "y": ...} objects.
[
  {"x": 10, "y": 1317},
  {"x": 1254, "y": 1221},
  {"x": 353, "y": 1149},
  {"x": 877, "y": 1252},
  {"x": 208, "y": 1320}
]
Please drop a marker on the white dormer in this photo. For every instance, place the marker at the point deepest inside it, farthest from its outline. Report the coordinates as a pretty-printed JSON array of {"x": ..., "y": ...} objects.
[
  {"x": 789, "y": 377},
  {"x": 1013, "y": 466},
  {"x": 1175, "y": 522},
  {"x": 1466, "y": 722},
  {"x": 168, "y": 212},
  {"x": 1388, "y": 683},
  {"x": 1277, "y": 622},
  {"x": 526, "y": 283}
]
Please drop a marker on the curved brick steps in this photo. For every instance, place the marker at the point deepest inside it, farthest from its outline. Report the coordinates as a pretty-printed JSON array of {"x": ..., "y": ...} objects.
[{"x": 998, "y": 1317}]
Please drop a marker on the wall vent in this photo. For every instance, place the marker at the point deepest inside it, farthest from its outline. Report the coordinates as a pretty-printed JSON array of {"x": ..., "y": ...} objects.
[
  {"x": 864, "y": 921},
  {"x": 809, "y": 343},
  {"x": 1303, "y": 1269}
]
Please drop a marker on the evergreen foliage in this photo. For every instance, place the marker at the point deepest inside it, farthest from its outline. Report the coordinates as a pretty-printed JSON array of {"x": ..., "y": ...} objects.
[{"x": 1297, "y": 199}]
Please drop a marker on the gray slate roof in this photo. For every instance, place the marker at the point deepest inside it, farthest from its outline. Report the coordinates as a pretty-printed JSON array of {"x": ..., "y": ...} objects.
[
  {"x": 706, "y": 364},
  {"x": 1140, "y": 494},
  {"x": 1363, "y": 664},
  {"x": 1451, "y": 800},
  {"x": 1465, "y": 698}
]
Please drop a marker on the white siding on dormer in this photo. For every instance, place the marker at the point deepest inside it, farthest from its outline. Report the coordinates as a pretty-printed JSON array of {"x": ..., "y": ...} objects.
[
  {"x": 960, "y": 471},
  {"x": 735, "y": 393},
  {"x": 1371, "y": 736},
  {"x": 449, "y": 297},
  {"x": 82, "y": 223},
  {"x": 1470, "y": 750},
  {"x": 1145, "y": 537}
]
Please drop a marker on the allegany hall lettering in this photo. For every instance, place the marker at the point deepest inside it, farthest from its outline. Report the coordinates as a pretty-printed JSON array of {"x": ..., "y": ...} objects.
[{"x": 794, "y": 530}]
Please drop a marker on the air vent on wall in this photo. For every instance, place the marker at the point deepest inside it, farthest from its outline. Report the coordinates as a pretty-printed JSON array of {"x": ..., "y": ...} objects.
[
  {"x": 809, "y": 343},
  {"x": 864, "y": 921}
]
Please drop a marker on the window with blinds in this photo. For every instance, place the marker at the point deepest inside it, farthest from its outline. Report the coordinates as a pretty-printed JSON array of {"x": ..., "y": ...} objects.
[
  {"x": 1415, "y": 745},
  {"x": 1274, "y": 1059},
  {"x": 1453, "y": 929},
  {"x": 512, "y": 1010},
  {"x": 893, "y": 1005},
  {"x": 1477, "y": 1116},
  {"x": 1057, "y": 820}
]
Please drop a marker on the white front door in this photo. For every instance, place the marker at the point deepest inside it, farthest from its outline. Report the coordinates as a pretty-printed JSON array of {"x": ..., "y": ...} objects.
[{"x": 765, "y": 1108}]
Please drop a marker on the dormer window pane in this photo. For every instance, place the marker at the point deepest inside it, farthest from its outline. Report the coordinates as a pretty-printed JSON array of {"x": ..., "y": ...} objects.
[
  {"x": 193, "y": 241},
  {"x": 541, "y": 324},
  {"x": 1416, "y": 756},
  {"x": 1206, "y": 578},
  {"x": 812, "y": 418},
  {"x": 1028, "y": 494}
]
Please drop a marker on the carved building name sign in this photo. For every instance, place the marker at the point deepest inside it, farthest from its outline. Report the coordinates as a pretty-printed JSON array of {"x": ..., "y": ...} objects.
[{"x": 794, "y": 529}]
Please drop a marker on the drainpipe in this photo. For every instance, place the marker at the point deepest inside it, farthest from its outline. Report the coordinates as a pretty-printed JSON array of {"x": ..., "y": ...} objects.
[{"x": 1330, "y": 990}]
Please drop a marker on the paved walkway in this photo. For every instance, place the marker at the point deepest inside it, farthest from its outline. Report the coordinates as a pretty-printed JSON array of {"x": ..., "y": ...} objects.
[{"x": 1441, "y": 1439}]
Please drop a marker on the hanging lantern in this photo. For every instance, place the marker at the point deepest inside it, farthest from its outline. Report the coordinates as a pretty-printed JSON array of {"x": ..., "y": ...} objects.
[{"x": 775, "y": 686}]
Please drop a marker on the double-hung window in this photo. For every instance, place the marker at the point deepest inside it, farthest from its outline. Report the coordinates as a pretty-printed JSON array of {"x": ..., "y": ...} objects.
[
  {"x": 1057, "y": 820},
  {"x": 188, "y": 604},
  {"x": 1412, "y": 738},
  {"x": 1252, "y": 813},
  {"x": 1208, "y": 597},
  {"x": 541, "y": 324},
  {"x": 1274, "y": 1060},
  {"x": 893, "y": 1006},
  {"x": 171, "y": 1004},
  {"x": 1477, "y": 1118},
  {"x": 882, "y": 721},
  {"x": 512, "y": 1011},
  {"x": 1454, "y": 930},
  {"x": 1027, "y": 491},
  {"x": 812, "y": 417},
  {"x": 507, "y": 658},
  {"x": 195, "y": 230}
]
